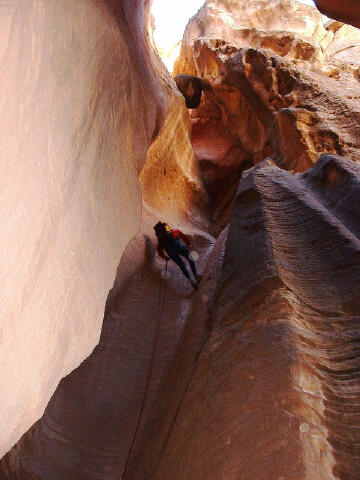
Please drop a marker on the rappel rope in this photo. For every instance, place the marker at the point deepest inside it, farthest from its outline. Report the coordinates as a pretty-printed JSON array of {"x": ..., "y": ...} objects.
[{"x": 151, "y": 366}]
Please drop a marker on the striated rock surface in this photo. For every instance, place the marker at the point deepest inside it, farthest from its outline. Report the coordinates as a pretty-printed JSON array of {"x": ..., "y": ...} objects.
[
  {"x": 256, "y": 374},
  {"x": 266, "y": 380},
  {"x": 81, "y": 102},
  {"x": 287, "y": 28}
]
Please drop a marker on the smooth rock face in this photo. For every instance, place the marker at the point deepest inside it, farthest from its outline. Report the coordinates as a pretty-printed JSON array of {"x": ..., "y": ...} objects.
[
  {"x": 256, "y": 374},
  {"x": 92, "y": 420},
  {"x": 272, "y": 386},
  {"x": 80, "y": 104}
]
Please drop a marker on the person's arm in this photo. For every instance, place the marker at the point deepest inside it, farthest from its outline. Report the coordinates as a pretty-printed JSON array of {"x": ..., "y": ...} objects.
[
  {"x": 160, "y": 251},
  {"x": 182, "y": 236}
]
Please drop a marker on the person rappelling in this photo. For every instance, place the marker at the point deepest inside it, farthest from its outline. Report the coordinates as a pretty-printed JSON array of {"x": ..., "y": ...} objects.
[{"x": 170, "y": 241}]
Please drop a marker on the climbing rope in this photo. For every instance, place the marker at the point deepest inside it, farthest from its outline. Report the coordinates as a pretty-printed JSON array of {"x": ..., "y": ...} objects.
[{"x": 151, "y": 366}]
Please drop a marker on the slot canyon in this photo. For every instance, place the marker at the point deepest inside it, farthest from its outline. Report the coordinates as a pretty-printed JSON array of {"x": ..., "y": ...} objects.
[{"x": 252, "y": 148}]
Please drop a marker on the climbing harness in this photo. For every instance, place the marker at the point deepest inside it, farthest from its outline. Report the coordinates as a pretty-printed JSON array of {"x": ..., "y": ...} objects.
[{"x": 151, "y": 366}]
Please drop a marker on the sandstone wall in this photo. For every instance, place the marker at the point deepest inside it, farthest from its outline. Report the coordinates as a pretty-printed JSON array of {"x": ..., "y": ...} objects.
[
  {"x": 255, "y": 375},
  {"x": 347, "y": 11},
  {"x": 80, "y": 104},
  {"x": 89, "y": 425},
  {"x": 276, "y": 82}
]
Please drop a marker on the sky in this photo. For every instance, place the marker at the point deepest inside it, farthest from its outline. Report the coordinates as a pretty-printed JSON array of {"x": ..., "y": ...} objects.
[{"x": 171, "y": 18}]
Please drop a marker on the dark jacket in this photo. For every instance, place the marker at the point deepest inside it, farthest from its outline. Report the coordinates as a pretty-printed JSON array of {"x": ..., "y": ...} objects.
[{"x": 173, "y": 235}]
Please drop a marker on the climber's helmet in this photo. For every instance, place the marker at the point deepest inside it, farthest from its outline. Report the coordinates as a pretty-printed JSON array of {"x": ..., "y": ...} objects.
[{"x": 161, "y": 229}]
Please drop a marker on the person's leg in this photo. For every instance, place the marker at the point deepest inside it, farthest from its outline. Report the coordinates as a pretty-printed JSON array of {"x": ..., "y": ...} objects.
[
  {"x": 185, "y": 253},
  {"x": 175, "y": 257}
]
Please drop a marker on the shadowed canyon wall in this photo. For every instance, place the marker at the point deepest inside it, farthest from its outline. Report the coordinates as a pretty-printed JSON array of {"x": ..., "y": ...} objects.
[
  {"x": 347, "y": 12},
  {"x": 256, "y": 374}
]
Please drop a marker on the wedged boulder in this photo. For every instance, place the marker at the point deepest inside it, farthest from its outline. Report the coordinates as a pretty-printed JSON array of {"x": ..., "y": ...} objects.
[{"x": 191, "y": 88}]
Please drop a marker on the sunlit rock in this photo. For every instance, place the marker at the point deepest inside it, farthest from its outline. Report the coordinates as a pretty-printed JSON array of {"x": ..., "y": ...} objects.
[
  {"x": 289, "y": 29},
  {"x": 345, "y": 45},
  {"x": 276, "y": 370},
  {"x": 95, "y": 410},
  {"x": 80, "y": 104}
]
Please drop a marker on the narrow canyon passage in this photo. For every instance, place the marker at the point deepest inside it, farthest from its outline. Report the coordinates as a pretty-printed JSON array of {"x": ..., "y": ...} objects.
[
  {"x": 88, "y": 426},
  {"x": 255, "y": 374}
]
